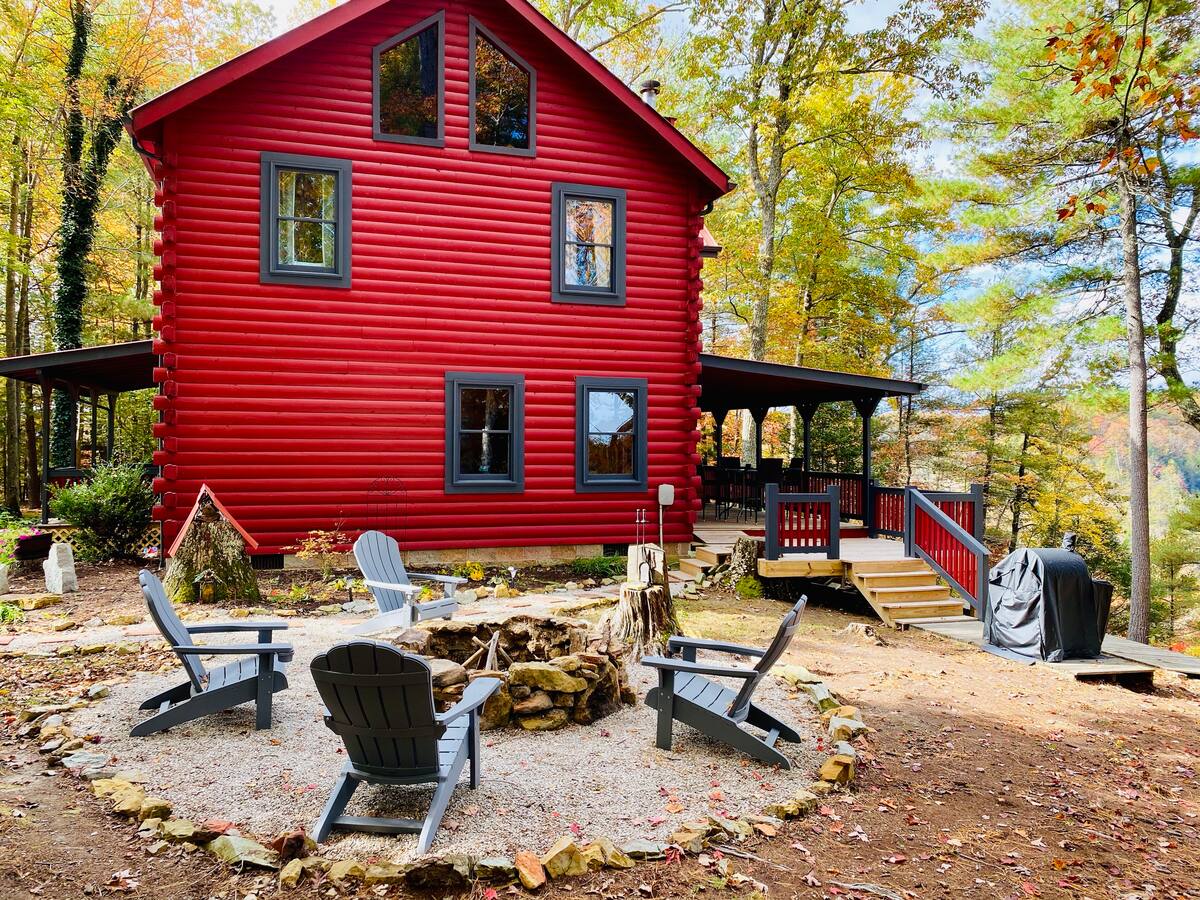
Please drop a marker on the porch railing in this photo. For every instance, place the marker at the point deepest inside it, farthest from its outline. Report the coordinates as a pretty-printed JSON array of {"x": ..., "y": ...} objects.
[
  {"x": 805, "y": 523},
  {"x": 936, "y": 530}
]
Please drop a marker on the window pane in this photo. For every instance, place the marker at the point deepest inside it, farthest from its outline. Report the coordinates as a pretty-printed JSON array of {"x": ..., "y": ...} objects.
[
  {"x": 485, "y": 408},
  {"x": 587, "y": 266},
  {"x": 306, "y": 244},
  {"x": 408, "y": 81},
  {"x": 589, "y": 220},
  {"x": 501, "y": 98},
  {"x": 611, "y": 411},
  {"x": 308, "y": 195},
  {"x": 483, "y": 453},
  {"x": 610, "y": 454}
]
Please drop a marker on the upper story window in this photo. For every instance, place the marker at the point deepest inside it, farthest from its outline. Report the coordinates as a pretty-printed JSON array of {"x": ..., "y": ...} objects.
[
  {"x": 305, "y": 223},
  {"x": 503, "y": 96},
  {"x": 409, "y": 85},
  {"x": 610, "y": 434},
  {"x": 588, "y": 250},
  {"x": 485, "y": 433}
]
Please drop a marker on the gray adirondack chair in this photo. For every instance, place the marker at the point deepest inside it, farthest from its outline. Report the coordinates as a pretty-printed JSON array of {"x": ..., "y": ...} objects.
[
  {"x": 380, "y": 701},
  {"x": 378, "y": 557},
  {"x": 684, "y": 694},
  {"x": 255, "y": 678}
]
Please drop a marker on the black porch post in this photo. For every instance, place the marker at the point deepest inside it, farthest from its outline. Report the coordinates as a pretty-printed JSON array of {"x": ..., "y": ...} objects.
[
  {"x": 807, "y": 410},
  {"x": 112, "y": 427},
  {"x": 46, "y": 392},
  {"x": 95, "y": 423},
  {"x": 719, "y": 436},
  {"x": 760, "y": 414},
  {"x": 866, "y": 408}
]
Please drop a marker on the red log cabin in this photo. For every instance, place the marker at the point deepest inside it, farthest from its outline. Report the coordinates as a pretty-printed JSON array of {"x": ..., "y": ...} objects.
[{"x": 428, "y": 266}]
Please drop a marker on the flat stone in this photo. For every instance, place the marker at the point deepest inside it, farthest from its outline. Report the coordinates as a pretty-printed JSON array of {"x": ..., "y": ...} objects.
[
  {"x": 795, "y": 675},
  {"x": 821, "y": 696},
  {"x": 345, "y": 869},
  {"x": 92, "y": 649},
  {"x": 84, "y": 759},
  {"x": 643, "y": 849},
  {"x": 446, "y": 673},
  {"x": 38, "y": 601},
  {"x": 544, "y": 677},
  {"x": 844, "y": 748},
  {"x": 564, "y": 859},
  {"x": 123, "y": 619},
  {"x": 107, "y": 787},
  {"x": 451, "y": 872},
  {"x": 128, "y": 802},
  {"x": 97, "y": 692},
  {"x": 593, "y": 857},
  {"x": 551, "y": 720},
  {"x": 613, "y": 856},
  {"x": 63, "y": 625},
  {"x": 291, "y": 873},
  {"x": 537, "y": 702},
  {"x": 846, "y": 712},
  {"x": 384, "y": 873},
  {"x": 689, "y": 840},
  {"x": 841, "y": 729},
  {"x": 496, "y": 870},
  {"x": 468, "y": 596},
  {"x": 242, "y": 851},
  {"x": 530, "y": 870},
  {"x": 330, "y": 609},
  {"x": 154, "y": 808}
]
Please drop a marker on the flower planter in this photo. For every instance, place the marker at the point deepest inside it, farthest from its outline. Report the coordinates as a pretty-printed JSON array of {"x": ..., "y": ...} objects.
[{"x": 34, "y": 546}]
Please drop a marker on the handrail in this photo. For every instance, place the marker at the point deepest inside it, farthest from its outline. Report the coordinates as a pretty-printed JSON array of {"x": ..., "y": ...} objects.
[
  {"x": 977, "y": 593},
  {"x": 830, "y": 501}
]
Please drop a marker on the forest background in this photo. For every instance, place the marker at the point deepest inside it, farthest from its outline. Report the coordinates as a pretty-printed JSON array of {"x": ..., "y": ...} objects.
[{"x": 997, "y": 200}]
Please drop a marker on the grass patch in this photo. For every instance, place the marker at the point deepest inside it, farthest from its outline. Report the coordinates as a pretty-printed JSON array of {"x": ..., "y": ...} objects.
[{"x": 598, "y": 566}]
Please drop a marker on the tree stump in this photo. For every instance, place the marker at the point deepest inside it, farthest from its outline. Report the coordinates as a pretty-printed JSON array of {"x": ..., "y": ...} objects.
[
  {"x": 644, "y": 619},
  {"x": 743, "y": 561},
  {"x": 210, "y": 564}
]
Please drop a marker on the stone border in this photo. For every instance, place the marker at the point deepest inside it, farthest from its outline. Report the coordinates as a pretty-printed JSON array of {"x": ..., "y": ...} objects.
[{"x": 126, "y": 798}]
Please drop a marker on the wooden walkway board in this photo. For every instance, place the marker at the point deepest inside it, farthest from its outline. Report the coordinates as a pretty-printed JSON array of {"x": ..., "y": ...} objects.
[
  {"x": 1159, "y": 657},
  {"x": 971, "y": 632}
]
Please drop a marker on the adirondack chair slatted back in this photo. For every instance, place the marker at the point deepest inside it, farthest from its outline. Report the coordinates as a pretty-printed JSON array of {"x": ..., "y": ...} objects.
[
  {"x": 169, "y": 625},
  {"x": 378, "y": 557},
  {"x": 380, "y": 702},
  {"x": 783, "y": 637}
]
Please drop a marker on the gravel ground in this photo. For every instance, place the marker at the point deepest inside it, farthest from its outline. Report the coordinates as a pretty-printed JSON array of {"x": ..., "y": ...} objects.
[{"x": 608, "y": 778}]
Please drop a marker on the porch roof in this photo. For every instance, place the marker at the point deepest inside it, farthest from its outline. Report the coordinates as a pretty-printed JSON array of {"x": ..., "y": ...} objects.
[
  {"x": 111, "y": 369},
  {"x": 728, "y": 383}
]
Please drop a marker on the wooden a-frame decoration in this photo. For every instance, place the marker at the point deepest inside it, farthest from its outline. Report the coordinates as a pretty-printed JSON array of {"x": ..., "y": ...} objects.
[{"x": 208, "y": 560}]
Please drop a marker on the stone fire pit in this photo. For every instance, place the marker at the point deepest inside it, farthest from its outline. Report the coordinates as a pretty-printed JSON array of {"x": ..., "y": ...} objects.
[{"x": 554, "y": 670}]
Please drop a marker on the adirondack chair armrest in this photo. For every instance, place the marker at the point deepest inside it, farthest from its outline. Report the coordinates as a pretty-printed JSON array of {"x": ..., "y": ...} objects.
[
  {"x": 283, "y": 651},
  {"x": 697, "y": 668},
  {"x": 476, "y": 694},
  {"x": 444, "y": 579},
  {"x": 236, "y": 626},
  {"x": 388, "y": 586},
  {"x": 679, "y": 642}
]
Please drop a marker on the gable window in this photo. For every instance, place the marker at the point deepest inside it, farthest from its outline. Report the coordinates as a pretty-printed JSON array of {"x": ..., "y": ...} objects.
[
  {"x": 485, "y": 433},
  {"x": 305, "y": 224},
  {"x": 610, "y": 434},
  {"x": 503, "y": 92},
  {"x": 588, "y": 250},
  {"x": 409, "y": 85}
]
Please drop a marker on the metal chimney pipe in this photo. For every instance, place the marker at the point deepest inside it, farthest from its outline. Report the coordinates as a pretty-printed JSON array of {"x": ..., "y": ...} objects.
[{"x": 649, "y": 91}]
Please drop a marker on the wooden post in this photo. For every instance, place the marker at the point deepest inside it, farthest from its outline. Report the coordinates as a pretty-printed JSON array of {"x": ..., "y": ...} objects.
[
  {"x": 47, "y": 390},
  {"x": 807, "y": 411},
  {"x": 95, "y": 395},
  {"x": 719, "y": 431},
  {"x": 760, "y": 414},
  {"x": 772, "y": 541},
  {"x": 112, "y": 429},
  {"x": 866, "y": 408}
]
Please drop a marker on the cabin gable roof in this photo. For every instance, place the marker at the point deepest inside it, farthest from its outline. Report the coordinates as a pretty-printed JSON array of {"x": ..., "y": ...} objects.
[{"x": 145, "y": 119}]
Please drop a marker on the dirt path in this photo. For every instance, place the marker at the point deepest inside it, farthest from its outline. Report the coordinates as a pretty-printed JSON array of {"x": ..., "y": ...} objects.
[{"x": 988, "y": 779}]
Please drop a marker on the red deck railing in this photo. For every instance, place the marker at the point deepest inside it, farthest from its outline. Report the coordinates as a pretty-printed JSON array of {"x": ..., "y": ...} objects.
[
  {"x": 802, "y": 522},
  {"x": 942, "y": 539}
]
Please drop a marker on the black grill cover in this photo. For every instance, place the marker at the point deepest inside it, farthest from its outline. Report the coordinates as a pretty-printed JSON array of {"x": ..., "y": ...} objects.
[{"x": 1044, "y": 604}]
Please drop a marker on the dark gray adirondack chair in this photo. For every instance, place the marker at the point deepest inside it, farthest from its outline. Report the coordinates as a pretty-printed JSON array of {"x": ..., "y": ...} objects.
[
  {"x": 378, "y": 557},
  {"x": 380, "y": 701},
  {"x": 252, "y": 679},
  {"x": 684, "y": 693}
]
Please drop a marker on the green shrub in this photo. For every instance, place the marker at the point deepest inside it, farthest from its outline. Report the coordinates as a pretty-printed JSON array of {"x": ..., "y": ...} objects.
[
  {"x": 598, "y": 566},
  {"x": 111, "y": 511},
  {"x": 749, "y": 588},
  {"x": 10, "y": 614}
]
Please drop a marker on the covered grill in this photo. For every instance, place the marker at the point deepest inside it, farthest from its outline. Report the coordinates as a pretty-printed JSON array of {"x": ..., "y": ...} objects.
[{"x": 1044, "y": 604}]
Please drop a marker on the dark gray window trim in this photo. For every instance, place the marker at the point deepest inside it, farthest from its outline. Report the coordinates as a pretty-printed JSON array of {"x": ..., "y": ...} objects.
[
  {"x": 270, "y": 270},
  {"x": 559, "y": 292},
  {"x": 440, "y": 141},
  {"x": 457, "y": 483},
  {"x": 475, "y": 28},
  {"x": 585, "y": 483}
]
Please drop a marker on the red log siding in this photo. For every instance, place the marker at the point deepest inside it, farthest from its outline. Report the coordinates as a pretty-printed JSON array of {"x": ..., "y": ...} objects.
[{"x": 289, "y": 401}]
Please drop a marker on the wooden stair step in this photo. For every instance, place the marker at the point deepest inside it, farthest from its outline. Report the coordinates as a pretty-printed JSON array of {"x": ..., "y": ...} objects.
[
  {"x": 936, "y": 620},
  {"x": 894, "y": 613},
  {"x": 713, "y": 553},
  {"x": 694, "y": 567},
  {"x": 916, "y": 578},
  {"x": 921, "y": 592},
  {"x": 903, "y": 564}
]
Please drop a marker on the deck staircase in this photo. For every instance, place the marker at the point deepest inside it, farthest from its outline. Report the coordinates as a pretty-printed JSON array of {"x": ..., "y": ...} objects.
[
  {"x": 705, "y": 557},
  {"x": 903, "y": 591}
]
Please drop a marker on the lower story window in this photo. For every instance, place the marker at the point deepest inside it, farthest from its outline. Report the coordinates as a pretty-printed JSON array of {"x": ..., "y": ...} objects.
[
  {"x": 485, "y": 421},
  {"x": 610, "y": 438}
]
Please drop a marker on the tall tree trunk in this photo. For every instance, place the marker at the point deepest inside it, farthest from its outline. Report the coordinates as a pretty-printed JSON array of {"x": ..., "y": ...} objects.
[
  {"x": 1139, "y": 486},
  {"x": 1019, "y": 493},
  {"x": 12, "y": 398}
]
